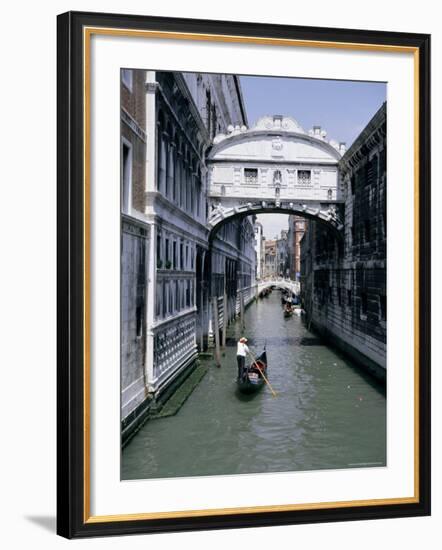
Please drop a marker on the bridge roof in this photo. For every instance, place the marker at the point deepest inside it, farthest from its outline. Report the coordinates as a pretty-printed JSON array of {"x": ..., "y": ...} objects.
[{"x": 276, "y": 138}]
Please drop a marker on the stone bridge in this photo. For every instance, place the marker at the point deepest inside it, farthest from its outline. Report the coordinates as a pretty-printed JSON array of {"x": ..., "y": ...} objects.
[
  {"x": 275, "y": 167},
  {"x": 285, "y": 284}
]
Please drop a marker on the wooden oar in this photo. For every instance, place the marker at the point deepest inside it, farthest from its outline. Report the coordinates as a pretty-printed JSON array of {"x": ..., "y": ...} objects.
[{"x": 263, "y": 375}]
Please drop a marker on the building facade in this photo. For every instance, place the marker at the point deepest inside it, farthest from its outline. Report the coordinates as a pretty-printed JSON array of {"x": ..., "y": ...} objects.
[
  {"x": 259, "y": 237},
  {"x": 344, "y": 280},
  {"x": 270, "y": 265},
  {"x": 282, "y": 254},
  {"x": 297, "y": 225},
  {"x": 171, "y": 265}
]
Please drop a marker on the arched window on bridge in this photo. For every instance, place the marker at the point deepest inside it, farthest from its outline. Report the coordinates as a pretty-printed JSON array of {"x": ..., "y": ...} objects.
[{"x": 304, "y": 177}]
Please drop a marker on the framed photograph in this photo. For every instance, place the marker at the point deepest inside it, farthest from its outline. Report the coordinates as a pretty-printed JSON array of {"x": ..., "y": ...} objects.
[{"x": 238, "y": 203}]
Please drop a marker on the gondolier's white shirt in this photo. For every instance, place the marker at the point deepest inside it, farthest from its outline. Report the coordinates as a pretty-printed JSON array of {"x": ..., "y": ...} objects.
[{"x": 242, "y": 349}]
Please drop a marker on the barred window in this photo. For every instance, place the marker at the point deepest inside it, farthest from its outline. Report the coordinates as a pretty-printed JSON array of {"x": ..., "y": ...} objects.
[
  {"x": 250, "y": 175},
  {"x": 364, "y": 303},
  {"x": 304, "y": 177},
  {"x": 383, "y": 308}
]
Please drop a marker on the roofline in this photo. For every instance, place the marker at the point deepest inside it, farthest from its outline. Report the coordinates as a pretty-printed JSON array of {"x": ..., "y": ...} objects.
[
  {"x": 241, "y": 98},
  {"x": 372, "y": 125},
  {"x": 228, "y": 140}
]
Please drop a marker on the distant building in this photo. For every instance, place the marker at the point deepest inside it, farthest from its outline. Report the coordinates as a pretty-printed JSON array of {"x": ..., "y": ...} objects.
[
  {"x": 258, "y": 248},
  {"x": 270, "y": 265},
  {"x": 343, "y": 283},
  {"x": 282, "y": 255},
  {"x": 276, "y": 256},
  {"x": 297, "y": 225}
]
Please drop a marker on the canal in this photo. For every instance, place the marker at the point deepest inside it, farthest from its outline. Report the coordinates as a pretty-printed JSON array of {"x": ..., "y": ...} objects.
[{"x": 327, "y": 414}]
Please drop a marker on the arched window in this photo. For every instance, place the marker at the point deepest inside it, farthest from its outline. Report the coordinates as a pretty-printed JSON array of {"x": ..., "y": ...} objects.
[
  {"x": 161, "y": 153},
  {"x": 198, "y": 189},
  {"x": 177, "y": 172},
  {"x": 223, "y": 190},
  {"x": 329, "y": 194},
  {"x": 169, "y": 162}
]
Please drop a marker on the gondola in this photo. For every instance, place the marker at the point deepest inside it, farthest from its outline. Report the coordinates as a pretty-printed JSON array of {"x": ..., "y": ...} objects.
[
  {"x": 252, "y": 379},
  {"x": 288, "y": 310}
]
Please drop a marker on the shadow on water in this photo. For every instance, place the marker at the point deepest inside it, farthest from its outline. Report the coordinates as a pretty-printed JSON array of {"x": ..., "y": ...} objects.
[
  {"x": 377, "y": 385},
  {"x": 276, "y": 341},
  {"x": 246, "y": 397},
  {"x": 306, "y": 341}
]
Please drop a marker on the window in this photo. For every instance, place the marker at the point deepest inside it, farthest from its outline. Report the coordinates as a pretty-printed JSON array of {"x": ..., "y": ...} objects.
[
  {"x": 349, "y": 297},
  {"x": 329, "y": 194},
  {"x": 304, "y": 177},
  {"x": 339, "y": 296},
  {"x": 174, "y": 256},
  {"x": 159, "y": 262},
  {"x": 181, "y": 256},
  {"x": 250, "y": 175},
  {"x": 364, "y": 303},
  {"x": 163, "y": 300},
  {"x": 187, "y": 293},
  {"x": 139, "y": 320},
  {"x": 126, "y": 177},
  {"x": 353, "y": 184},
  {"x": 159, "y": 297},
  {"x": 382, "y": 308},
  {"x": 367, "y": 230},
  {"x": 166, "y": 246},
  {"x": 277, "y": 177},
  {"x": 170, "y": 308},
  {"x": 177, "y": 296},
  {"x": 330, "y": 294},
  {"x": 127, "y": 78}
]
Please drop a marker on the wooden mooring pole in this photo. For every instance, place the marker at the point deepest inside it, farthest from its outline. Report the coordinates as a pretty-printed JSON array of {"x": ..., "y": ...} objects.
[
  {"x": 216, "y": 331},
  {"x": 225, "y": 320},
  {"x": 241, "y": 309}
]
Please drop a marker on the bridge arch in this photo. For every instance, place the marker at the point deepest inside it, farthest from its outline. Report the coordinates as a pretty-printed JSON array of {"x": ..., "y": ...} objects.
[{"x": 329, "y": 215}]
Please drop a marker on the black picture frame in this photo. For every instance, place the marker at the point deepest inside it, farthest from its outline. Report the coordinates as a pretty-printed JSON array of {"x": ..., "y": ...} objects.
[{"x": 72, "y": 392}]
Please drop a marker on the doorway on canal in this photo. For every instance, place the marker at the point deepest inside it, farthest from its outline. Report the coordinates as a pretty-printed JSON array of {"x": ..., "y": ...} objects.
[{"x": 327, "y": 413}]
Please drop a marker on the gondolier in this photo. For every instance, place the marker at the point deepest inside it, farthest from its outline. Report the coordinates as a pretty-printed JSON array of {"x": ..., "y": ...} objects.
[{"x": 241, "y": 353}]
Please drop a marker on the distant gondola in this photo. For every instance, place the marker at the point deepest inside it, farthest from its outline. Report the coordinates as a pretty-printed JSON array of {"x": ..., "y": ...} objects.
[
  {"x": 251, "y": 379},
  {"x": 288, "y": 310}
]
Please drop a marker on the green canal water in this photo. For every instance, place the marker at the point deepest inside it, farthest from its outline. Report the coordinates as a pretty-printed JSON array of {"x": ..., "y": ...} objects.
[{"x": 327, "y": 413}]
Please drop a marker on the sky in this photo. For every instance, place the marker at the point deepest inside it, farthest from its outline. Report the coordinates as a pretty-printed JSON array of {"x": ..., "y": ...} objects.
[{"x": 341, "y": 107}]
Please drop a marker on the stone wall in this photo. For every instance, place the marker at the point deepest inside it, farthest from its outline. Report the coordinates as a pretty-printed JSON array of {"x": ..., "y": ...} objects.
[
  {"x": 134, "y": 258},
  {"x": 344, "y": 279}
]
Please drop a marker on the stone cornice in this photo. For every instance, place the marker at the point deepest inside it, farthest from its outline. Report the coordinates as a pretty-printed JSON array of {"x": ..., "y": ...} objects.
[{"x": 129, "y": 120}]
